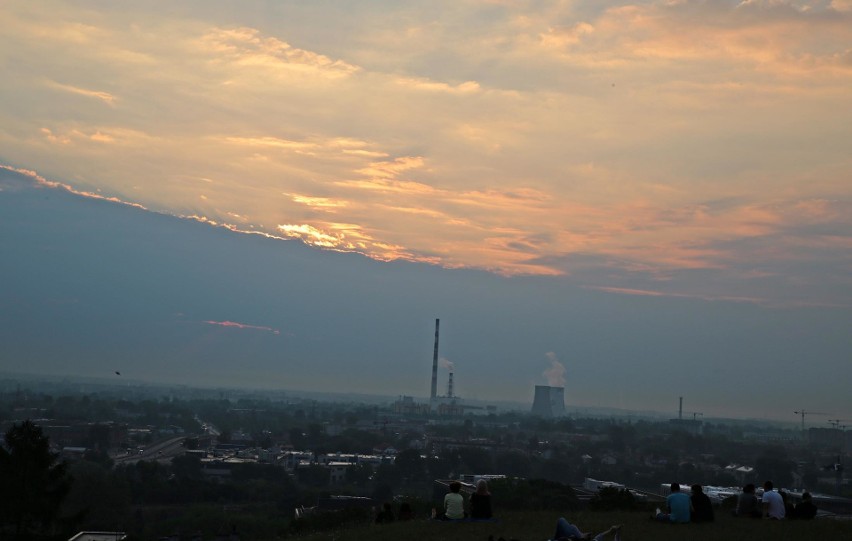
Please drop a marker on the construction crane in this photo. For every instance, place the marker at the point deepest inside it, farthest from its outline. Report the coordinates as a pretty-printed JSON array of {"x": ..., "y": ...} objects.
[
  {"x": 803, "y": 413},
  {"x": 839, "y": 423}
]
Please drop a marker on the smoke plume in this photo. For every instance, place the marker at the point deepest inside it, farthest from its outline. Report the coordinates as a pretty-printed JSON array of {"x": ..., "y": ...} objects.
[
  {"x": 446, "y": 363},
  {"x": 555, "y": 374}
]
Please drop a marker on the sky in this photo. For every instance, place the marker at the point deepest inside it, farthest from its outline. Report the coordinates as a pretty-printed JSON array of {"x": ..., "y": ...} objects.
[{"x": 627, "y": 184}]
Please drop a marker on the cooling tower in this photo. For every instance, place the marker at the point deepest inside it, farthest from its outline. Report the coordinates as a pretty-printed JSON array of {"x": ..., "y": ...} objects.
[{"x": 549, "y": 401}]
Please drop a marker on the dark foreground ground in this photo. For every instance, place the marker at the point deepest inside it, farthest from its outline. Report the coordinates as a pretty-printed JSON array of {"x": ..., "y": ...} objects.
[{"x": 539, "y": 526}]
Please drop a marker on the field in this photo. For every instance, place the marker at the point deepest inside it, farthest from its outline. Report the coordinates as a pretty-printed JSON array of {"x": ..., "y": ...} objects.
[{"x": 539, "y": 526}]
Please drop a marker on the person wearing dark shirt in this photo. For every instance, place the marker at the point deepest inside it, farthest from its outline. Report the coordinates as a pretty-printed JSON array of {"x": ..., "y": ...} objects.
[
  {"x": 405, "y": 512},
  {"x": 789, "y": 508},
  {"x": 806, "y": 508},
  {"x": 702, "y": 509},
  {"x": 480, "y": 501},
  {"x": 385, "y": 516},
  {"x": 747, "y": 505}
]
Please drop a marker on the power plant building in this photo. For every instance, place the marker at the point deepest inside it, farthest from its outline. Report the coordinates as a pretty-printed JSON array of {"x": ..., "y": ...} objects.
[{"x": 549, "y": 401}]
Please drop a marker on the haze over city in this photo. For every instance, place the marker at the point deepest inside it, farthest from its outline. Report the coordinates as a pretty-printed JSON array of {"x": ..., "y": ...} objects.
[{"x": 638, "y": 201}]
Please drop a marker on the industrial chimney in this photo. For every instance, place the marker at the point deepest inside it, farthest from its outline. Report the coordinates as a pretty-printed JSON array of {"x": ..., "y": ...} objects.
[
  {"x": 450, "y": 386},
  {"x": 435, "y": 362}
]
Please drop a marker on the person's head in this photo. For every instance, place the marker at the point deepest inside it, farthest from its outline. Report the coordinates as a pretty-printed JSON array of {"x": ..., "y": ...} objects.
[
  {"x": 675, "y": 487},
  {"x": 455, "y": 486},
  {"x": 806, "y": 496},
  {"x": 767, "y": 486},
  {"x": 749, "y": 488},
  {"x": 482, "y": 487},
  {"x": 696, "y": 489}
]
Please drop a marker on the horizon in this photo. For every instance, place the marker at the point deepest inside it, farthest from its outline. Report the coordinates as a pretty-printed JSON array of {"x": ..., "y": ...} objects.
[{"x": 572, "y": 411}]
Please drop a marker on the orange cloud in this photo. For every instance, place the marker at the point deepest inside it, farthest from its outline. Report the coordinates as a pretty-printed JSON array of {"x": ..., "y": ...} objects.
[{"x": 235, "y": 325}]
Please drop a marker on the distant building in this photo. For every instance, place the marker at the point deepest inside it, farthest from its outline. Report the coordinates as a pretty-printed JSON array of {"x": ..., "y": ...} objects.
[
  {"x": 549, "y": 401},
  {"x": 407, "y": 406}
]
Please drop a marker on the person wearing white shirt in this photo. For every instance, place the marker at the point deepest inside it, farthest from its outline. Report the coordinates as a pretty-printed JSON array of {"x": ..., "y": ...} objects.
[{"x": 773, "y": 503}]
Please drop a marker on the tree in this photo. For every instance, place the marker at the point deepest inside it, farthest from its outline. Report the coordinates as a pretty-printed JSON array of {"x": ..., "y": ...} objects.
[{"x": 33, "y": 484}]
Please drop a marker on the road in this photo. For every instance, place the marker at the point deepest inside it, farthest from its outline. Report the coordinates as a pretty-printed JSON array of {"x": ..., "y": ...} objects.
[{"x": 163, "y": 450}]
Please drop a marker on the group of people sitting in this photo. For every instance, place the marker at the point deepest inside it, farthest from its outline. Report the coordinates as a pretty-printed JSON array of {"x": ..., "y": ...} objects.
[
  {"x": 696, "y": 507},
  {"x": 682, "y": 508},
  {"x": 773, "y": 505},
  {"x": 454, "y": 504}
]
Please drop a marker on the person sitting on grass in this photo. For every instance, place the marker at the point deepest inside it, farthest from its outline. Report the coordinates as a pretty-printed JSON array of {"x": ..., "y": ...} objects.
[
  {"x": 702, "y": 509},
  {"x": 773, "y": 503},
  {"x": 405, "y": 512},
  {"x": 747, "y": 505},
  {"x": 454, "y": 503},
  {"x": 385, "y": 516},
  {"x": 480, "y": 502},
  {"x": 678, "y": 507},
  {"x": 806, "y": 509},
  {"x": 565, "y": 531}
]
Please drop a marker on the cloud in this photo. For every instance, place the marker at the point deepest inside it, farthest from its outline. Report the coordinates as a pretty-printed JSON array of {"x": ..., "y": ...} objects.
[
  {"x": 655, "y": 139},
  {"x": 105, "y": 97},
  {"x": 468, "y": 87},
  {"x": 235, "y": 325},
  {"x": 325, "y": 204},
  {"x": 247, "y": 50}
]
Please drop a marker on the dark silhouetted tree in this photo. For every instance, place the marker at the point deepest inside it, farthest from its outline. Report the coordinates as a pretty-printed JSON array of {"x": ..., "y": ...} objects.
[{"x": 33, "y": 484}]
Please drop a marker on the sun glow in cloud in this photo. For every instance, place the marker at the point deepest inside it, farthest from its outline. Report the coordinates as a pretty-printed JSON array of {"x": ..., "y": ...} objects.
[{"x": 636, "y": 147}]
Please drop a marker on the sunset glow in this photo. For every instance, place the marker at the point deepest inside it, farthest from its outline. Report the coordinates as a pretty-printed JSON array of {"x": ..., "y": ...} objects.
[{"x": 631, "y": 147}]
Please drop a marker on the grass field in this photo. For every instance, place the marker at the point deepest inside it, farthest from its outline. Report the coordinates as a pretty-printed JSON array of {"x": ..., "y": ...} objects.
[{"x": 539, "y": 526}]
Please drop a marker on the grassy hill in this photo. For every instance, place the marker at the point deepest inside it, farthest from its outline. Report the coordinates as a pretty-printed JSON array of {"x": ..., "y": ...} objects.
[{"x": 539, "y": 526}]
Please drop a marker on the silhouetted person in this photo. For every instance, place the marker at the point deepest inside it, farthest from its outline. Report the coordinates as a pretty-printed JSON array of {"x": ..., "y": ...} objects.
[
  {"x": 480, "y": 501},
  {"x": 454, "y": 503},
  {"x": 677, "y": 505},
  {"x": 773, "y": 503},
  {"x": 789, "y": 509},
  {"x": 806, "y": 509},
  {"x": 385, "y": 516},
  {"x": 405, "y": 512},
  {"x": 702, "y": 509},
  {"x": 565, "y": 531},
  {"x": 747, "y": 505}
]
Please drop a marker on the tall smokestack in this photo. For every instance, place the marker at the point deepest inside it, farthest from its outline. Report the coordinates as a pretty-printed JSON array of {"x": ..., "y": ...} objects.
[
  {"x": 450, "y": 386},
  {"x": 680, "y": 410},
  {"x": 435, "y": 362}
]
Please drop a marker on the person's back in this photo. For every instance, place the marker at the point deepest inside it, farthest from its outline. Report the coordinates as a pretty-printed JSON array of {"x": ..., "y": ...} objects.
[
  {"x": 454, "y": 502},
  {"x": 702, "y": 509},
  {"x": 385, "y": 515},
  {"x": 806, "y": 508},
  {"x": 747, "y": 503},
  {"x": 480, "y": 506},
  {"x": 480, "y": 501},
  {"x": 678, "y": 503},
  {"x": 773, "y": 503}
]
